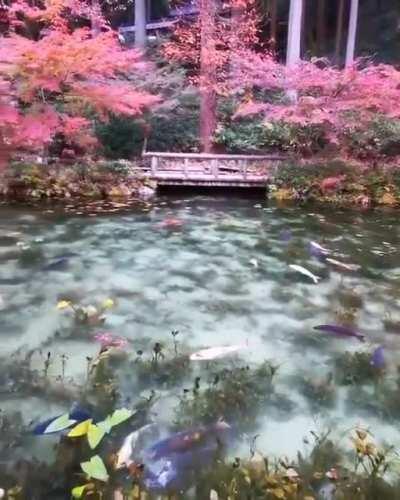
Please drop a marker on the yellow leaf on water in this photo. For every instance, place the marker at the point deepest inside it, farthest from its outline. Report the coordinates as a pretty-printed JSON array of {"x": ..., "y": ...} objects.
[
  {"x": 94, "y": 435},
  {"x": 78, "y": 491},
  {"x": 108, "y": 304},
  {"x": 80, "y": 429},
  {"x": 95, "y": 469},
  {"x": 63, "y": 304}
]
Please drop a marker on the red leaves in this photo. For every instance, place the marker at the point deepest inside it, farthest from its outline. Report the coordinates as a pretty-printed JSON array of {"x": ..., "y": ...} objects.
[
  {"x": 238, "y": 31},
  {"x": 331, "y": 183},
  {"x": 62, "y": 70},
  {"x": 329, "y": 97},
  {"x": 38, "y": 129},
  {"x": 116, "y": 98}
]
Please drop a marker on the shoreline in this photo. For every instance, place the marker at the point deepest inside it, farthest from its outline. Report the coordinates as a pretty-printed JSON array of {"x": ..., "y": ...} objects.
[{"x": 121, "y": 182}]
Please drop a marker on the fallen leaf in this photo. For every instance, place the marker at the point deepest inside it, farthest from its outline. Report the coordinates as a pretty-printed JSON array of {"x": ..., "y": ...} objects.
[
  {"x": 95, "y": 469},
  {"x": 63, "y": 304}
]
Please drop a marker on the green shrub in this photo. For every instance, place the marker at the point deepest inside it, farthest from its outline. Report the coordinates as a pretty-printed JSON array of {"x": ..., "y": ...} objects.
[
  {"x": 176, "y": 128},
  {"x": 248, "y": 135},
  {"x": 121, "y": 137},
  {"x": 380, "y": 139}
]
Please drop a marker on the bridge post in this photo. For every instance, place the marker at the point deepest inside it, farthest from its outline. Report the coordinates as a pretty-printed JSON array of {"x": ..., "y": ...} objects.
[
  {"x": 185, "y": 168},
  {"x": 214, "y": 168},
  {"x": 154, "y": 165},
  {"x": 243, "y": 168}
]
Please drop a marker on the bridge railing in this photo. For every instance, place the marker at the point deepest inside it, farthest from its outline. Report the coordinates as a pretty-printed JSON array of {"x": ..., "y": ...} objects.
[{"x": 211, "y": 166}]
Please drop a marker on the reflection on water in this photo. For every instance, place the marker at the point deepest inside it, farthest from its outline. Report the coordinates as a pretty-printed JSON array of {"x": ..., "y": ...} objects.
[{"x": 222, "y": 277}]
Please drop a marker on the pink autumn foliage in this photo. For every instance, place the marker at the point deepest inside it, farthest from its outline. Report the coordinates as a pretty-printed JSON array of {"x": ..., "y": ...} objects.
[
  {"x": 333, "y": 98},
  {"x": 53, "y": 83}
]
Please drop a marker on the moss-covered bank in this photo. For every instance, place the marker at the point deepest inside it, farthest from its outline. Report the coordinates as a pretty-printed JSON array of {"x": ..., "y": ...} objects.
[
  {"x": 332, "y": 182},
  {"x": 101, "y": 180},
  {"x": 337, "y": 183}
]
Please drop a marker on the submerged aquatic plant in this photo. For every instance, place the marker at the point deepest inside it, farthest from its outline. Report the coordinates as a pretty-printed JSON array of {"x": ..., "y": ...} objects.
[
  {"x": 235, "y": 394},
  {"x": 354, "y": 368},
  {"x": 320, "y": 392},
  {"x": 162, "y": 368}
]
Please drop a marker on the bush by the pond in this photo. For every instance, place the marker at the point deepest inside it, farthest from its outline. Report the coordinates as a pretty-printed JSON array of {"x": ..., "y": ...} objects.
[
  {"x": 83, "y": 179},
  {"x": 255, "y": 136},
  {"x": 121, "y": 137},
  {"x": 174, "y": 130},
  {"x": 380, "y": 140},
  {"x": 337, "y": 182}
]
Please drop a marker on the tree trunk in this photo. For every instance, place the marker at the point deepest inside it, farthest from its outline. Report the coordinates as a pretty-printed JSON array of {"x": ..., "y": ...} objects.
[
  {"x": 293, "y": 52},
  {"x": 273, "y": 12},
  {"x": 352, "y": 33},
  {"x": 208, "y": 98},
  {"x": 140, "y": 24},
  {"x": 339, "y": 31},
  {"x": 321, "y": 33},
  {"x": 96, "y": 18},
  {"x": 237, "y": 19}
]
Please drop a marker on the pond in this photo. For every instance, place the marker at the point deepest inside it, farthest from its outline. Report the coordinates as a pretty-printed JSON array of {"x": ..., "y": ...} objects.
[{"x": 179, "y": 275}]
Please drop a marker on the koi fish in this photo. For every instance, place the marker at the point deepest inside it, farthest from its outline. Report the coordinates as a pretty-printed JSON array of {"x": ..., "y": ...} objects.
[
  {"x": 305, "y": 272},
  {"x": 254, "y": 263},
  {"x": 171, "y": 223},
  {"x": 341, "y": 331},
  {"x": 190, "y": 440},
  {"x": 378, "y": 358},
  {"x": 109, "y": 340},
  {"x": 57, "y": 265},
  {"x": 318, "y": 250},
  {"x": 130, "y": 445},
  {"x": 169, "y": 463},
  {"x": 285, "y": 235},
  {"x": 175, "y": 473},
  {"x": 216, "y": 352},
  {"x": 342, "y": 265}
]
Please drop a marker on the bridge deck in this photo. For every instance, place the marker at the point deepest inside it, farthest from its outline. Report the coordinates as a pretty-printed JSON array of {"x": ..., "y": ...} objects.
[{"x": 195, "y": 169}]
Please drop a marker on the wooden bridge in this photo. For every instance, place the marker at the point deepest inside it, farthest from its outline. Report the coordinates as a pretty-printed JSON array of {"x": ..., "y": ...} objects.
[{"x": 200, "y": 169}]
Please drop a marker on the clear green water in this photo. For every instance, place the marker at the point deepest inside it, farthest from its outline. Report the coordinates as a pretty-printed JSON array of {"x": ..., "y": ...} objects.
[{"x": 220, "y": 279}]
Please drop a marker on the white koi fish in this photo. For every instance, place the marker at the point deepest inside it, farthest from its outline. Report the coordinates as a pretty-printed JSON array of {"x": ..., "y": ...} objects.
[
  {"x": 342, "y": 265},
  {"x": 254, "y": 263},
  {"x": 130, "y": 444},
  {"x": 305, "y": 272},
  {"x": 216, "y": 352}
]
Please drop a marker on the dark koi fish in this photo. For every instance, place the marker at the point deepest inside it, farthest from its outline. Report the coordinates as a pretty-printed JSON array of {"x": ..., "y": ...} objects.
[{"x": 340, "y": 331}]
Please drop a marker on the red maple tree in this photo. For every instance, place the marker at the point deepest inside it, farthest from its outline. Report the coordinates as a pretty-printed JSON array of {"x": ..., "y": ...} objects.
[
  {"x": 337, "y": 100},
  {"x": 56, "y": 79},
  {"x": 206, "y": 46}
]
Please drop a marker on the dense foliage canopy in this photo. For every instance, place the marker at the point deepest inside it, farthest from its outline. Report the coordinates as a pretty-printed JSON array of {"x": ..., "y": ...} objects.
[{"x": 56, "y": 76}]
